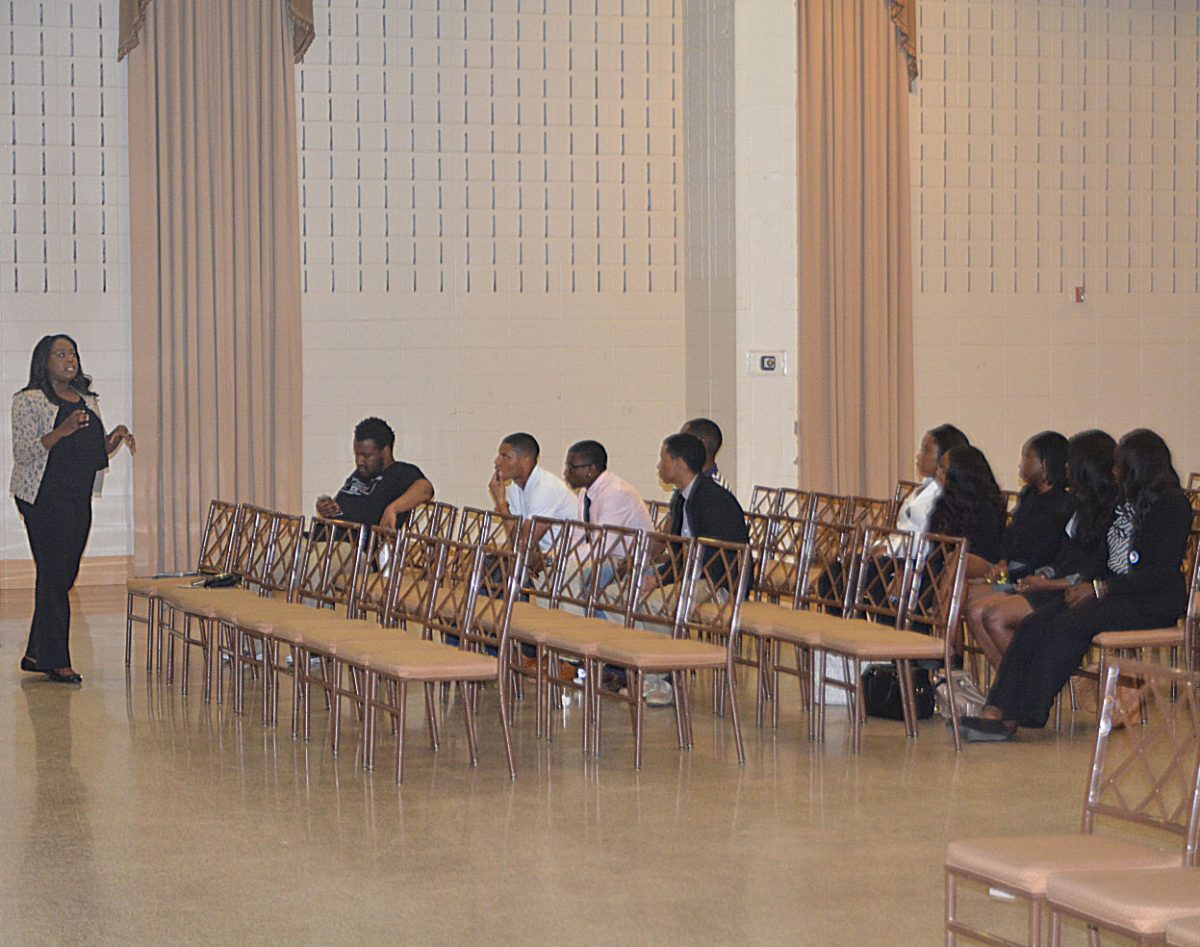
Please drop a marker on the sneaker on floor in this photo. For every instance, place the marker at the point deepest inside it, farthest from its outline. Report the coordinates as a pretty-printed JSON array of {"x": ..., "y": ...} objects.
[
  {"x": 612, "y": 681},
  {"x": 658, "y": 693}
]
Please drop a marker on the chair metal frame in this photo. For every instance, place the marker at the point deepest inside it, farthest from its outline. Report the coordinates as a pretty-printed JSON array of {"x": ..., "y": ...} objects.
[
  {"x": 433, "y": 518},
  {"x": 898, "y": 583},
  {"x": 717, "y": 574},
  {"x": 764, "y": 501},
  {"x": 1130, "y": 777},
  {"x": 660, "y": 514},
  {"x": 904, "y": 489},
  {"x": 824, "y": 583},
  {"x": 482, "y": 621},
  {"x": 216, "y": 552},
  {"x": 249, "y": 558},
  {"x": 798, "y": 504},
  {"x": 286, "y": 545}
]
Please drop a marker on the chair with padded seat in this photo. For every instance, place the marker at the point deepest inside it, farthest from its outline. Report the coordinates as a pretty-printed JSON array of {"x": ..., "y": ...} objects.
[
  {"x": 780, "y": 569},
  {"x": 599, "y": 577},
  {"x": 1137, "y": 904},
  {"x": 1141, "y": 777},
  {"x": 318, "y": 640},
  {"x": 185, "y": 607},
  {"x": 242, "y": 648},
  {"x": 904, "y": 582},
  {"x": 481, "y": 620},
  {"x": 1184, "y": 931},
  {"x": 705, "y": 639},
  {"x": 216, "y": 553},
  {"x": 823, "y": 580},
  {"x": 324, "y": 581}
]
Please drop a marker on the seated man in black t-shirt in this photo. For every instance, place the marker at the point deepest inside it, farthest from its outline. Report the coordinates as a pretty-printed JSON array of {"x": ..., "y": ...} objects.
[{"x": 381, "y": 490}]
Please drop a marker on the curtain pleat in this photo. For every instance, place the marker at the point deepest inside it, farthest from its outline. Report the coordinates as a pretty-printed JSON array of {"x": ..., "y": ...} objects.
[
  {"x": 855, "y": 287},
  {"x": 215, "y": 241}
]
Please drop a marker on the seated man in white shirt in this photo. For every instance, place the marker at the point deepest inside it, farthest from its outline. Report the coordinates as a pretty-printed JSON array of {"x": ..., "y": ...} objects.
[{"x": 520, "y": 487}]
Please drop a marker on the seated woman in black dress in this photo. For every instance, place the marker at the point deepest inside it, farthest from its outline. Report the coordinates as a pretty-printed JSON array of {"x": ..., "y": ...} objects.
[
  {"x": 1142, "y": 586},
  {"x": 1081, "y": 554},
  {"x": 1035, "y": 532},
  {"x": 971, "y": 506}
]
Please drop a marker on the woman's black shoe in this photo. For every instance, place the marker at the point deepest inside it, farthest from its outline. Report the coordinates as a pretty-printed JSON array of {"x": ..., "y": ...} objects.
[
  {"x": 985, "y": 730},
  {"x": 27, "y": 664},
  {"x": 59, "y": 678}
]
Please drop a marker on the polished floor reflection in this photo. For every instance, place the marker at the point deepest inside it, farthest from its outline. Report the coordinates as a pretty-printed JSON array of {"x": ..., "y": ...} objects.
[{"x": 132, "y": 815}]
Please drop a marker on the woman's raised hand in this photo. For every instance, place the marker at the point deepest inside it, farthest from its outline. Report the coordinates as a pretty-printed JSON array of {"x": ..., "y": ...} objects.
[{"x": 121, "y": 435}]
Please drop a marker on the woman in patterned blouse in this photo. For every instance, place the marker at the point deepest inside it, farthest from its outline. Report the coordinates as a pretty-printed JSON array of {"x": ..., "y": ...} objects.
[{"x": 59, "y": 446}]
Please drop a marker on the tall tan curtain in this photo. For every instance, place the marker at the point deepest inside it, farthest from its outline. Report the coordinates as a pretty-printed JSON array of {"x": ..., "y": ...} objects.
[
  {"x": 855, "y": 284},
  {"x": 215, "y": 243}
]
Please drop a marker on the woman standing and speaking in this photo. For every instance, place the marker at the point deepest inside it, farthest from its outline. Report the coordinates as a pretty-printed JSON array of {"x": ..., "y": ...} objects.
[{"x": 59, "y": 445}]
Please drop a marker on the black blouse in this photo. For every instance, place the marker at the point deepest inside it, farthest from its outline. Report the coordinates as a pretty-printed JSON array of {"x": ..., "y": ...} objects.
[
  {"x": 73, "y": 461},
  {"x": 1036, "y": 532}
]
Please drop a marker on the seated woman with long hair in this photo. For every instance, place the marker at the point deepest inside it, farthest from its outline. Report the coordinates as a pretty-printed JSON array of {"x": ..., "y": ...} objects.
[
  {"x": 972, "y": 506},
  {"x": 1038, "y": 530},
  {"x": 913, "y": 514},
  {"x": 1141, "y": 586}
]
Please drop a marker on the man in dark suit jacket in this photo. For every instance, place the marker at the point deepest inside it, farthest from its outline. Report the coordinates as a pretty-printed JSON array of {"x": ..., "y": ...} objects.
[{"x": 700, "y": 507}]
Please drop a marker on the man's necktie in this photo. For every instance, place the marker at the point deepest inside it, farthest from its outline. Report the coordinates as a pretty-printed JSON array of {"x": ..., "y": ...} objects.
[
  {"x": 677, "y": 513},
  {"x": 587, "y": 508}
]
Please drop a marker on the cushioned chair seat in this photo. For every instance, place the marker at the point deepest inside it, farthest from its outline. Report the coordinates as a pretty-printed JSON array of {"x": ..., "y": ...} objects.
[
  {"x": 586, "y": 642},
  {"x": 757, "y": 618},
  {"x": 803, "y": 627},
  {"x": 263, "y": 614},
  {"x": 867, "y": 641},
  {"x": 1025, "y": 864},
  {"x": 207, "y": 602},
  {"x": 440, "y": 663},
  {"x": 326, "y": 630},
  {"x": 661, "y": 652},
  {"x": 1149, "y": 638},
  {"x": 1184, "y": 932},
  {"x": 1141, "y": 901},
  {"x": 532, "y": 624},
  {"x": 364, "y": 653},
  {"x": 153, "y": 587}
]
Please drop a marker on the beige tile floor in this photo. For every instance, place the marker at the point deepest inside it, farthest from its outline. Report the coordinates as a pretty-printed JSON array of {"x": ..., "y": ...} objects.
[{"x": 131, "y": 815}]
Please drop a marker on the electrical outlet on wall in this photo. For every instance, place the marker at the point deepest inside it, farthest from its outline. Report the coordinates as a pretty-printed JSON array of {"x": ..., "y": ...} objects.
[{"x": 766, "y": 363}]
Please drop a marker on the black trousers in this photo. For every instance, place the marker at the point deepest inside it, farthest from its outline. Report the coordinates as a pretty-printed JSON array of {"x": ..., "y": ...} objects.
[
  {"x": 58, "y": 529},
  {"x": 1051, "y": 642}
]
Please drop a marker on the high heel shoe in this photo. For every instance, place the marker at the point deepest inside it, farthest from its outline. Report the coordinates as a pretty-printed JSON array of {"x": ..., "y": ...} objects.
[
  {"x": 60, "y": 678},
  {"x": 27, "y": 664}
]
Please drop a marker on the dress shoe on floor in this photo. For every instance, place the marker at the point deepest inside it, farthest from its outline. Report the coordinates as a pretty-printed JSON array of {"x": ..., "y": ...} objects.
[
  {"x": 984, "y": 730},
  {"x": 28, "y": 664},
  {"x": 60, "y": 678}
]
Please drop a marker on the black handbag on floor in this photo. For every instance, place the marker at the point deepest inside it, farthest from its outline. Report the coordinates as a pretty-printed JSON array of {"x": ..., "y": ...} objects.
[{"x": 881, "y": 691}]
